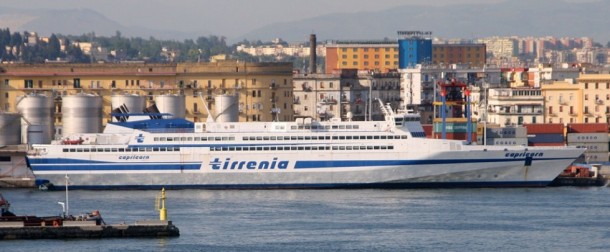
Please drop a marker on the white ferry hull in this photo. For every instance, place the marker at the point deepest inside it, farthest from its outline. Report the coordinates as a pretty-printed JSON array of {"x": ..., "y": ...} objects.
[
  {"x": 375, "y": 154},
  {"x": 319, "y": 169}
]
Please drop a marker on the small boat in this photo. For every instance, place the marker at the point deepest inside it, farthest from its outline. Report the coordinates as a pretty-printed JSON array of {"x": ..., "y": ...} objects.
[{"x": 72, "y": 142}]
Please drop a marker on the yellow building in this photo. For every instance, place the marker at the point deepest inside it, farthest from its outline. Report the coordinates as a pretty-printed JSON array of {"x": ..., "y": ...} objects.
[
  {"x": 265, "y": 89},
  {"x": 587, "y": 101},
  {"x": 381, "y": 56},
  {"x": 596, "y": 97},
  {"x": 562, "y": 102}
]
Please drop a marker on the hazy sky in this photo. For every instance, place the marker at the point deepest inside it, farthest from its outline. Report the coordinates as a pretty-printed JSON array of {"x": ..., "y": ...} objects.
[{"x": 228, "y": 17}]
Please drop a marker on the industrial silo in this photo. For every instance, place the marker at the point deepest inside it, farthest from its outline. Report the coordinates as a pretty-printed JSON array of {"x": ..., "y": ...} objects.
[
  {"x": 10, "y": 129},
  {"x": 171, "y": 104},
  {"x": 37, "y": 120},
  {"x": 82, "y": 113},
  {"x": 128, "y": 103},
  {"x": 227, "y": 108}
]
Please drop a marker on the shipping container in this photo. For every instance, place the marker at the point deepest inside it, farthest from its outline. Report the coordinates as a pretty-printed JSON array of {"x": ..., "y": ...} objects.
[
  {"x": 545, "y": 144},
  {"x": 592, "y": 147},
  {"x": 479, "y": 139},
  {"x": 545, "y": 138},
  {"x": 544, "y": 128},
  {"x": 427, "y": 130},
  {"x": 587, "y": 128},
  {"x": 507, "y": 132},
  {"x": 455, "y": 136},
  {"x": 454, "y": 127},
  {"x": 591, "y": 157},
  {"x": 587, "y": 137},
  {"x": 507, "y": 141},
  {"x": 481, "y": 126}
]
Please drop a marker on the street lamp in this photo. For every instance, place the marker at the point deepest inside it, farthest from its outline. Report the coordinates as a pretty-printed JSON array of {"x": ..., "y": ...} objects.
[
  {"x": 485, "y": 88},
  {"x": 370, "y": 100}
]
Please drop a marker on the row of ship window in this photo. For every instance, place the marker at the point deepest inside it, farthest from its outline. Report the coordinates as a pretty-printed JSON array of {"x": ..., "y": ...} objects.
[
  {"x": 291, "y": 148},
  {"x": 177, "y": 139},
  {"x": 253, "y": 138},
  {"x": 322, "y": 127},
  {"x": 236, "y": 148},
  {"x": 134, "y": 149}
]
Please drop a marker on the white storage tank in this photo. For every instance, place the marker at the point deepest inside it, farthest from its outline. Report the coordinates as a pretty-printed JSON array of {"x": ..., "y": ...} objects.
[
  {"x": 37, "y": 111},
  {"x": 171, "y": 104},
  {"x": 133, "y": 103},
  {"x": 35, "y": 134},
  {"x": 10, "y": 129},
  {"x": 82, "y": 113},
  {"x": 227, "y": 108}
]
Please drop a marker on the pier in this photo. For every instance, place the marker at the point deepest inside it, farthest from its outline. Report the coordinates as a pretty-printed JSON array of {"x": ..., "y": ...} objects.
[
  {"x": 88, "y": 229},
  {"x": 82, "y": 227}
]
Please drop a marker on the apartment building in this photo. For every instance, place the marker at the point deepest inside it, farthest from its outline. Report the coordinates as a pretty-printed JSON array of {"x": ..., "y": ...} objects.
[
  {"x": 515, "y": 106},
  {"x": 345, "y": 95},
  {"x": 585, "y": 101},
  {"x": 264, "y": 89},
  {"x": 562, "y": 102},
  {"x": 472, "y": 54},
  {"x": 379, "y": 56},
  {"x": 499, "y": 47}
]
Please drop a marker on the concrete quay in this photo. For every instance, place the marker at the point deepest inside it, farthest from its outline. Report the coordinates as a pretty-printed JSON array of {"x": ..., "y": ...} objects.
[{"x": 88, "y": 229}]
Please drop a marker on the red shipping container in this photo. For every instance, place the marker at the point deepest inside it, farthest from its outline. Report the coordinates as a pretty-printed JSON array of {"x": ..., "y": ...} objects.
[
  {"x": 455, "y": 136},
  {"x": 544, "y": 128},
  {"x": 427, "y": 130},
  {"x": 546, "y": 144},
  {"x": 588, "y": 128}
]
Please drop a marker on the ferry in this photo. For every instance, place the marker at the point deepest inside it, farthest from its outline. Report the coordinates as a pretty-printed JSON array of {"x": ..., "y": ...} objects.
[{"x": 152, "y": 152}]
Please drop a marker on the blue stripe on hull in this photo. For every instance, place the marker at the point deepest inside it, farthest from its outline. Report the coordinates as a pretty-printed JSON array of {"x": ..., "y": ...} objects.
[
  {"x": 358, "y": 163},
  {"x": 56, "y": 161},
  {"x": 500, "y": 184},
  {"x": 81, "y": 165},
  {"x": 117, "y": 167}
]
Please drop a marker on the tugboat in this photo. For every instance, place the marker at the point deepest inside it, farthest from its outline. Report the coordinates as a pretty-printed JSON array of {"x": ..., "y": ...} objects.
[{"x": 580, "y": 175}]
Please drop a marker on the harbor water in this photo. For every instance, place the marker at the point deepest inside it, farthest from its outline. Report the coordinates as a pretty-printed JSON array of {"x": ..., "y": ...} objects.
[{"x": 522, "y": 219}]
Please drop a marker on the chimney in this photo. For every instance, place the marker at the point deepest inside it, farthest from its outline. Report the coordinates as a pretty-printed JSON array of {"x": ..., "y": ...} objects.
[{"x": 312, "y": 54}]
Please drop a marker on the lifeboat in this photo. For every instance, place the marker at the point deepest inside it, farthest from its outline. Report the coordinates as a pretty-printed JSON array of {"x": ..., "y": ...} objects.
[{"x": 72, "y": 142}]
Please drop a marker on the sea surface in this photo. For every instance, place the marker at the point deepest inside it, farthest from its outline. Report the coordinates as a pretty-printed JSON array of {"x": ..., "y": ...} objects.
[{"x": 524, "y": 219}]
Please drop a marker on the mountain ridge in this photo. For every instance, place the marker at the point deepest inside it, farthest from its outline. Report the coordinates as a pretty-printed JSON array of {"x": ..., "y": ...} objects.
[
  {"x": 459, "y": 21},
  {"x": 518, "y": 18}
]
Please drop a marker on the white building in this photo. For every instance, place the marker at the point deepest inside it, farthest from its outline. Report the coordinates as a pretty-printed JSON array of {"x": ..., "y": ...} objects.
[{"x": 298, "y": 50}]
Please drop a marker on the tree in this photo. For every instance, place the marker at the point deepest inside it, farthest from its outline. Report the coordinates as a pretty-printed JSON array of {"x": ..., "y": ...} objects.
[
  {"x": 75, "y": 54},
  {"x": 53, "y": 48},
  {"x": 16, "y": 39}
]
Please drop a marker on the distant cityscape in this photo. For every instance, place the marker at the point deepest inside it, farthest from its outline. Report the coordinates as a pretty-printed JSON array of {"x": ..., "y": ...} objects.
[
  {"x": 512, "y": 81},
  {"x": 28, "y": 47}
]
